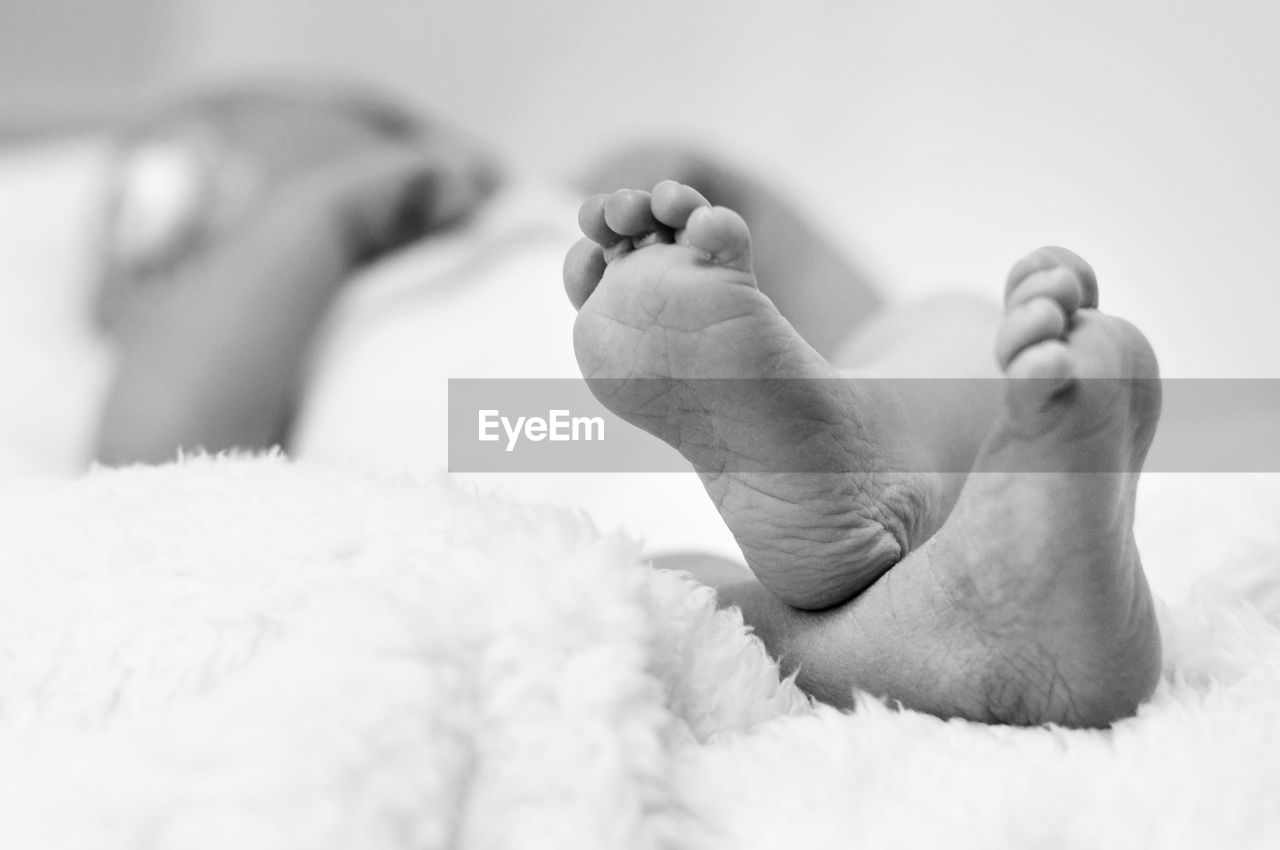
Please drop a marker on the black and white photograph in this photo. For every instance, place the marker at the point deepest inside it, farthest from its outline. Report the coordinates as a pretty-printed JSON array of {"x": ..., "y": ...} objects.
[{"x": 680, "y": 425}]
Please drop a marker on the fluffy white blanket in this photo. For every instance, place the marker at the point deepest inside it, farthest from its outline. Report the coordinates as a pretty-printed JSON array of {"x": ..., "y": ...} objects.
[
  {"x": 254, "y": 654},
  {"x": 251, "y": 653}
]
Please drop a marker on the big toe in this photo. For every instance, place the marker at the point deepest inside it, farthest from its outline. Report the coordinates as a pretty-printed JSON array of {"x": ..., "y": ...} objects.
[
  {"x": 722, "y": 235},
  {"x": 1036, "y": 375},
  {"x": 1036, "y": 320},
  {"x": 583, "y": 268}
]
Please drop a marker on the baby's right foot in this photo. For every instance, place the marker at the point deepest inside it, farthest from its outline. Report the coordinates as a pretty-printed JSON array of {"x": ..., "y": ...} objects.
[
  {"x": 1030, "y": 604},
  {"x": 806, "y": 468}
]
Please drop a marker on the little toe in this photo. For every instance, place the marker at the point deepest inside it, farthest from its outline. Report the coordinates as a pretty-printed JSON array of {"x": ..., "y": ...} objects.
[
  {"x": 674, "y": 202},
  {"x": 583, "y": 268},
  {"x": 722, "y": 234},
  {"x": 1051, "y": 257},
  {"x": 1039, "y": 319},
  {"x": 591, "y": 222},
  {"x": 630, "y": 212}
]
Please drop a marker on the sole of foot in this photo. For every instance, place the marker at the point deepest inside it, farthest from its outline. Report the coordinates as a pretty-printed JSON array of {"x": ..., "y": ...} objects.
[
  {"x": 1029, "y": 605},
  {"x": 1035, "y": 578},
  {"x": 810, "y": 471}
]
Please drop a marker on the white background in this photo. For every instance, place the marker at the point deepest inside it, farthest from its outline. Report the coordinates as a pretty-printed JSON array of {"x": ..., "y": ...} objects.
[{"x": 938, "y": 141}]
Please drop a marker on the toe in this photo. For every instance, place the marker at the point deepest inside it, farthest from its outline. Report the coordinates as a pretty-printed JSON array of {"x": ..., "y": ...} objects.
[
  {"x": 583, "y": 268},
  {"x": 1052, "y": 257},
  {"x": 1061, "y": 284},
  {"x": 1037, "y": 374},
  {"x": 674, "y": 202},
  {"x": 722, "y": 234},
  {"x": 591, "y": 221},
  {"x": 1039, "y": 319},
  {"x": 629, "y": 212}
]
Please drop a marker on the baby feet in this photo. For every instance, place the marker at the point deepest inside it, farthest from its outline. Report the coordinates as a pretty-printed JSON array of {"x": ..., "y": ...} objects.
[
  {"x": 805, "y": 467},
  {"x": 1028, "y": 605}
]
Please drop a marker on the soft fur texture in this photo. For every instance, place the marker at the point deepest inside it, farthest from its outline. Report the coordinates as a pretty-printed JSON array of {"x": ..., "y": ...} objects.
[{"x": 252, "y": 653}]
